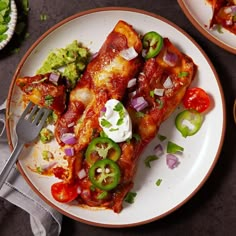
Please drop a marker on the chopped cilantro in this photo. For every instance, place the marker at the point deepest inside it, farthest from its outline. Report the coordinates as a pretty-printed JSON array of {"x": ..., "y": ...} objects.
[
  {"x": 149, "y": 159},
  {"x": 113, "y": 129},
  {"x": 118, "y": 107},
  {"x": 130, "y": 197},
  {"x": 173, "y": 147},
  {"x": 39, "y": 169},
  {"x": 43, "y": 17},
  {"x": 120, "y": 121},
  {"x": 25, "y": 6},
  {"x": 103, "y": 134},
  {"x": 219, "y": 28},
  {"x": 105, "y": 123},
  {"x": 161, "y": 137},
  {"x": 158, "y": 182},
  {"x": 139, "y": 114},
  {"x": 49, "y": 100},
  {"x": 152, "y": 93},
  {"x": 102, "y": 195},
  {"x": 183, "y": 74},
  {"x": 137, "y": 137},
  {"x": 160, "y": 102}
]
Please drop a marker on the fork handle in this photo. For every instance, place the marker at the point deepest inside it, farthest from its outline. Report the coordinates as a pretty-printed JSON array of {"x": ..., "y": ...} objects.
[{"x": 10, "y": 162}]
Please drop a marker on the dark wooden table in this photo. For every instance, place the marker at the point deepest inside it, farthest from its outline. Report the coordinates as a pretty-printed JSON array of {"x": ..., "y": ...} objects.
[{"x": 212, "y": 211}]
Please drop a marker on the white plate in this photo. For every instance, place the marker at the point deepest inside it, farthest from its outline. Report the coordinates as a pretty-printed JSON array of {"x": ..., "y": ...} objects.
[
  {"x": 11, "y": 25},
  {"x": 200, "y": 13},
  {"x": 201, "y": 151}
]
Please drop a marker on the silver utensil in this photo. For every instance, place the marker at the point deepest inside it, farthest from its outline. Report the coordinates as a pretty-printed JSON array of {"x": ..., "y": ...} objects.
[{"x": 27, "y": 129}]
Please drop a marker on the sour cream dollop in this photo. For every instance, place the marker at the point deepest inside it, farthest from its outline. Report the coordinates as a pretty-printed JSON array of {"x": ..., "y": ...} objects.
[{"x": 115, "y": 121}]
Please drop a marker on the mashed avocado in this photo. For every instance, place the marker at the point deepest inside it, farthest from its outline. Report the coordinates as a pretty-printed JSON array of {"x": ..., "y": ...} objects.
[{"x": 69, "y": 61}]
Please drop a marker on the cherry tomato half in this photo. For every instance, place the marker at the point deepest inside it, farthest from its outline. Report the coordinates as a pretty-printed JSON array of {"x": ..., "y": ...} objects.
[
  {"x": 197, "y": 99},
  {"x": 63, "y": 192}
]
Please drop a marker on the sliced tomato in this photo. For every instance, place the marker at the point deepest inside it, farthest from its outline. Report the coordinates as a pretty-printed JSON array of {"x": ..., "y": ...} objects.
[
  {"x": 197, "y": 99},
  {"x": 63, "y": 192}
]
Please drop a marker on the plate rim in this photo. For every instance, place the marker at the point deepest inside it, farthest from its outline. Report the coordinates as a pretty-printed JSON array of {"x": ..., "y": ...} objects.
[
  {"x": 133, "y": 10},
  {"x": 202, "y": 30}
]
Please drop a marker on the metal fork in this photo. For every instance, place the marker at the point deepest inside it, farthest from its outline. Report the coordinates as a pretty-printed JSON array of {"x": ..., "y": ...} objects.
[{"x": 27, "y": 130}]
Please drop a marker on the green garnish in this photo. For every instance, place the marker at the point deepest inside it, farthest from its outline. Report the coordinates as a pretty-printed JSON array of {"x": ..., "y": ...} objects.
[
  {"x": 137, "y": 137},
  {"x": 173, "y": 147},
  {"x": 49, "y": 100},
  {"x": 39, "y": 169},
  {"x": 183, "y": 74},
  {"x": 149, "y": 159},
  {"x": 47, "y": 155},
  {"x": 25, "y": 6},
  {"x": 118, "y": 107},
  {"x": 219, "y": 28},
  {"x": 160, "y": 102},
  {"x": 130, "y": 197},
  {"x": 113, "y": 129},
  {"x": 46, "y": 135},
  {"x": 105, "y": 123},
  {"x": 158, "y": 182},
  {"x": 102, "y": 195},
  {"x": 161, "y": 137},
  {"x": 43, "y": 17},
  {"x": 120, "y": 121},
  {"x": 152, "y": 93},
  {"x": 139, "y": 114}
]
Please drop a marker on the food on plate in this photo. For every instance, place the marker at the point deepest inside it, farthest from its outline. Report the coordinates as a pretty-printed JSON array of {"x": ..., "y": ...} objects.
[
  {"x": 224, "y": 14},
  {"x": 58, "y": 75},
  {"x": 69, "y": 62},
  {"x": 47, "y": 90},
  {"x": 106, "y": 77},
  {"x": 112, "y": 114}
]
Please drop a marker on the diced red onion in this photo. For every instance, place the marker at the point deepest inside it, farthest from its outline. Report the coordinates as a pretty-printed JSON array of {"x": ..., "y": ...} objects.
[
  {"x": 132, "y": 94},
  {"x": 139, "y": 103},
  {"x": 172, "y": 161},
  {"x": 233, "y": 8},
  {"x": 71, "y": 124},
  {"x": 159, "y": 150},
  {"x": 48, "y": 166},
  {"x": 170, "y": 58},
  {"x": 131, "y": 83},
  {"x": 129, "y": 53},
  {"x": 229, "y": 22},
  {"x": 54, "y": 78},
  {"x": 79, "y": 190},
  {"x": 69, "y": 151},
  {"x": 103, "y": 111},
  {"x": 159, "y": 92},
  {"x": 68, "y": 138},
  {"x": 144, "y": 53},
  {"x": 85, "y": 194},
  {"x": 82, "y": 174},
  {"x": 168, "y": 83}
]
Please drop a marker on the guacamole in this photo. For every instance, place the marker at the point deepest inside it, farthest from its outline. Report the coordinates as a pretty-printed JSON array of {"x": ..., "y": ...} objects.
[{"x": 69, "y": 62}]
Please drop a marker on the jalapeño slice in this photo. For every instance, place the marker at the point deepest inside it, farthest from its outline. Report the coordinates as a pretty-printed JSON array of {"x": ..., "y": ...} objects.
[
  {"x": 188, "y": 122},
  {"x": 105, "y": 174},
  {"x": 152, "y": 44},
  {"x": 101, "y": 148}
]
